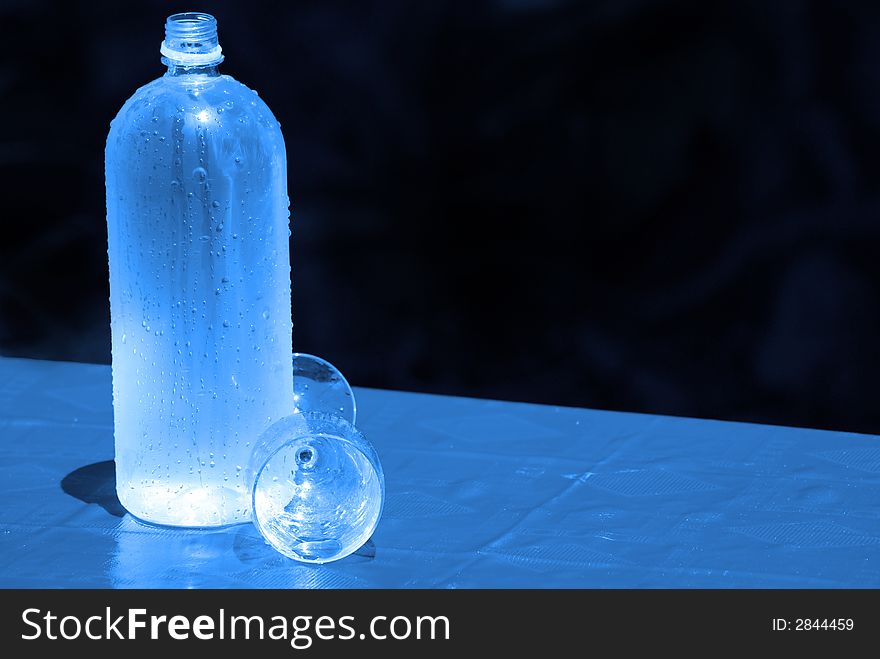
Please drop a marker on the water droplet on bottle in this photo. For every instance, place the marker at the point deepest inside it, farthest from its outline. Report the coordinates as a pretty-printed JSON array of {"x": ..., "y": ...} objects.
[
  {"x": 265, "y": 314},
  {"x": 225, "y": 323},
  {"x": 215, "y": 204},
  {"x": 200, "y": 174}
]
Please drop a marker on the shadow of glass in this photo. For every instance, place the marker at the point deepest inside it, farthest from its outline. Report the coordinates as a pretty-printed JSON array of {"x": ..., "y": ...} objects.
[
  {"x": 95, "y": 483},
  {"x": 367, "y": 550}
]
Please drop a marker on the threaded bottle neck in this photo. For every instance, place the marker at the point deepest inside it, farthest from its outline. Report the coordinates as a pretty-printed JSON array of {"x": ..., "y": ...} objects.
[{"x": 191, "y": 41}]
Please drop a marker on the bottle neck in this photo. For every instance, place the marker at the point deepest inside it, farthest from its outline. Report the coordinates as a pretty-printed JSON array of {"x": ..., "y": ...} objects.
[
  {"x": 175, "y": 69},
  {"x": 191, "y": 47}
]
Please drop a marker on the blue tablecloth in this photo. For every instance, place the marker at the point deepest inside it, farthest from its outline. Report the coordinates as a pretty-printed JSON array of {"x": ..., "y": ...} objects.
[{"x": 479, "y": 494}]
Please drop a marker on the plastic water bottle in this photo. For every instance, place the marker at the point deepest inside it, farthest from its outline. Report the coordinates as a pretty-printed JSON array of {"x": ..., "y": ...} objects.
[{"x": 197, "y": 215}]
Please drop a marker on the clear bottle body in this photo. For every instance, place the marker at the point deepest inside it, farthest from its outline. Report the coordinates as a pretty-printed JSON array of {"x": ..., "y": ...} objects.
[{"x": 198, "y": 227}]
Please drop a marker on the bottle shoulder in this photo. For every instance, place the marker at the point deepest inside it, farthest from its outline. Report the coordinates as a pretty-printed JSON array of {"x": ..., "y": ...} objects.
[{"x": 218, "y": 104}]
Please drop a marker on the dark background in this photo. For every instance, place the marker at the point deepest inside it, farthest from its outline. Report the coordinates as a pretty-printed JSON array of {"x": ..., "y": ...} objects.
[{"x": 653, "y": 206}]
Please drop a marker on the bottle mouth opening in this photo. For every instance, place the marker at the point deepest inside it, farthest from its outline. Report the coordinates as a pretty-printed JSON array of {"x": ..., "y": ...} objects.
[{"x": 191, "y": 40}]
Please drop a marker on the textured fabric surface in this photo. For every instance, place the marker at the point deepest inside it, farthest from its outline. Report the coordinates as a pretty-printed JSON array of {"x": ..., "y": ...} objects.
[{"x": 479, "y": 494}]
